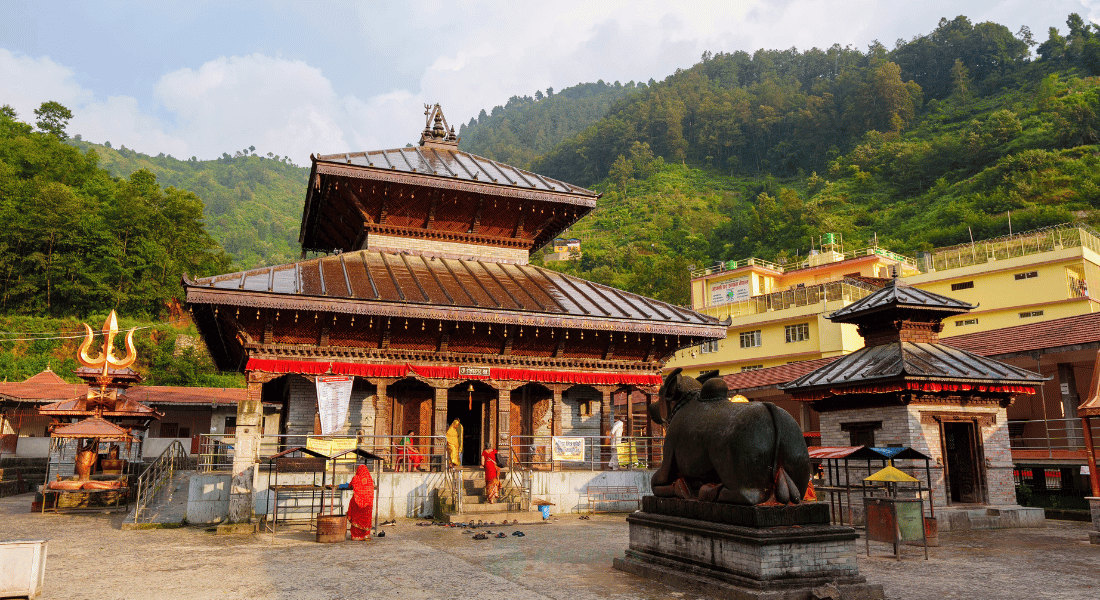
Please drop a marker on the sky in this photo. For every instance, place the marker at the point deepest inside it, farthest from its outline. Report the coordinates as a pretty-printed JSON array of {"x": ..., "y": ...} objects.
[{"x": 200, "y": 78}]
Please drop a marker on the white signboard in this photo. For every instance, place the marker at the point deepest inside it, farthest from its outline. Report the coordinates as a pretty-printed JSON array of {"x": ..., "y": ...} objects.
[
  {"x": 333, "y": 397},
  {"x": 730, "y": 290},
  {"x": 568, "y": 448}
]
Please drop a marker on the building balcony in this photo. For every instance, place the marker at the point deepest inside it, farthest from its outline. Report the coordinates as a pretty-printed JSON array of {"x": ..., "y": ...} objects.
[
  {"x": 1048, "y": 239},
  {"x": 847, "y": 290}
]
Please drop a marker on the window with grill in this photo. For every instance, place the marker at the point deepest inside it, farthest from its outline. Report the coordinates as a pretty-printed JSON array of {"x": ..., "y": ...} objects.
[
  {"x": 750, "y": 339},
  {"x": 708, "y": 347},
  {"x": 797, "y": 333},
  {"x": 965, "y": 322},
  {"x": 1028, "y": 275},
  {"x": 1031, "y": 313},
  {"x": 962, "y": 285},
  {"x": 861, "y": 433},
  {"x": 169, "y": 430},
  {"x": 751, "y": 368}
]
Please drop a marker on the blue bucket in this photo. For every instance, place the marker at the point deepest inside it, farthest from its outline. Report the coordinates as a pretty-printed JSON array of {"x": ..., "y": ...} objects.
[{"x": 545, "y": 508}]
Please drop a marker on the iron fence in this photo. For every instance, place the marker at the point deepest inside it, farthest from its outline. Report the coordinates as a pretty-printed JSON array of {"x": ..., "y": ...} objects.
[
  {"x": 1050, "y": 435},
  {"x": 426, "y": 453}
]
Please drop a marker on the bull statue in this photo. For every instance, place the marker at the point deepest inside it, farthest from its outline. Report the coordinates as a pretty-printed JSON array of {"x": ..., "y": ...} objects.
[{"x": 721, "y": 451}]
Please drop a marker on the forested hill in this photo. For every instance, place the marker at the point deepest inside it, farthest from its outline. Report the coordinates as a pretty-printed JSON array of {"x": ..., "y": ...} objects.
[
  {"x": 950, "y": 134},
  {"x": 527, "y": 127},
  {"x": 253, "y": 202}
]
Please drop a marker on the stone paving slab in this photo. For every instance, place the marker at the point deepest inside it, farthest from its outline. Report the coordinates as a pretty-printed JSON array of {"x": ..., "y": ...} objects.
[{"x": 89, "y": 557}]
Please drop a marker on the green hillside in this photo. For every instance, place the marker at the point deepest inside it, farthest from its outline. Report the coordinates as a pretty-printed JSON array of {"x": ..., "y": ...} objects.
[
  {"x": 758, "y": 155},
  {"x": 253, "y": 203},
  {"x": 527, "y": 127}
]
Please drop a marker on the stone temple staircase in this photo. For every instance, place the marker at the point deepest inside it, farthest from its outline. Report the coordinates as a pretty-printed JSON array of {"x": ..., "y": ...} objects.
[{"x": 475, "y": 508}]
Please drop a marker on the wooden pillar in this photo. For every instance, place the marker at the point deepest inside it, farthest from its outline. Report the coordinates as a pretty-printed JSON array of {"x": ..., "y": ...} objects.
[
  {"x": 605, "y": 423},
  {"x": 556, "y": 407},
  {"x": 1090, "y": 450},
  {"x": 439, "y": 422},
  {"x": 504, "y": 423}
]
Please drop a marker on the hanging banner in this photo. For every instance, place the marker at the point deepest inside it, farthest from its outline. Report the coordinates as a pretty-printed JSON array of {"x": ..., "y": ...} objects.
[
  {"x": 730, "y": 290},
  {"x": 333, "y": 398},
  {"x": 568, "y": 449}
]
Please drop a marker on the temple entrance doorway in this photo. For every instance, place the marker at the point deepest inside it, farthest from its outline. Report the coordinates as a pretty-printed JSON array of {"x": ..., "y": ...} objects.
[
  {"x": 530, "y": 424},
  {"x": 961, "y": 456},
  {"x": 472, "y": 404},
  {"x": 412, "y": 411}
]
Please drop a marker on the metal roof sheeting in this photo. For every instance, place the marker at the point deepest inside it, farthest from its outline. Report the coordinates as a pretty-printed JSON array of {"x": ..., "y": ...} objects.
[{"x": 899, "y": 296}]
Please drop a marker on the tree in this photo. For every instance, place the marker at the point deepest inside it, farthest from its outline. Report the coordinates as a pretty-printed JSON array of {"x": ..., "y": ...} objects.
[
  {"x": 53, "y": 118},
  {"x": 1054, "y": 48},
  {"x": 8, "y": 112}
]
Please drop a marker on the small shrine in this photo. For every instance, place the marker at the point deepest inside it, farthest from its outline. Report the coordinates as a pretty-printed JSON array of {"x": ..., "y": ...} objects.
[
  {"x": 94, "y": 437},
  {"x": 906, "y": 389}
]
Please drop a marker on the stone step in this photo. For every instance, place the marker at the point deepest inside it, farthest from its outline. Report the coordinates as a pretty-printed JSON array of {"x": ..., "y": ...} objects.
[
  {"x": 484, "y": 508},
  {"x": 524, "y": 518}
]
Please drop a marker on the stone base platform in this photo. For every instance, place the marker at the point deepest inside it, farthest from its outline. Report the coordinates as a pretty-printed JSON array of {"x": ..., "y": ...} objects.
[{"x": 800, "y": 559}]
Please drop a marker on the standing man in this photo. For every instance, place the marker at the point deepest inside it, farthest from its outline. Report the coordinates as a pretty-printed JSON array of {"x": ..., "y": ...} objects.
[{"x": 616, "y": 439}]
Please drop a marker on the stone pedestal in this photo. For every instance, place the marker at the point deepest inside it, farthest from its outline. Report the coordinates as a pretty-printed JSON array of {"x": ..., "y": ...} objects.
[
  {"x": 745, "y": 552},
  {"x": 1094, "y": 507}
]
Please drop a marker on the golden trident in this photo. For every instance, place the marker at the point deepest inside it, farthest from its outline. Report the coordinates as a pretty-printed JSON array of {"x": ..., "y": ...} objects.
[
  {"x": 104, "y": 398},
  {"x": 107, "y": 358}
]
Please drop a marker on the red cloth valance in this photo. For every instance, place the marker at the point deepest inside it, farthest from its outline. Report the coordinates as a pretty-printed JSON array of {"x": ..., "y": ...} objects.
[
  {"x": 916, "y": 386},
  {"x": 306, "y": 367}
]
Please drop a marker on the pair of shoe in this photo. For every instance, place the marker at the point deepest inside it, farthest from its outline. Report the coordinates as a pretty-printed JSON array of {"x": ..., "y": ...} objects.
[
  {"x": 481, "y": 536},
  {"x": 381, "y": 534},
  {"x": 386, "y": 523},
  {"x": 586, "y": 518},
  {"x": 518, "y": 534},
  {"x": 500, "y": 535}
]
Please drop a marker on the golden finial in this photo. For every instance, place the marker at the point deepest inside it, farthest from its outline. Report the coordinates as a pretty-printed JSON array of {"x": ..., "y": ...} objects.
[{"x": 107, "y": 358}]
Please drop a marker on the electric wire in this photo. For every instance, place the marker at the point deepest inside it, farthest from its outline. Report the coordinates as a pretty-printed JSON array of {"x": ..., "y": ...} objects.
[{"x": 33, "y": 336}]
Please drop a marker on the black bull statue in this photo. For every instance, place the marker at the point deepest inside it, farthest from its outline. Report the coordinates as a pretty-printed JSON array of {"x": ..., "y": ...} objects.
[{"x": 721, "y": 451}]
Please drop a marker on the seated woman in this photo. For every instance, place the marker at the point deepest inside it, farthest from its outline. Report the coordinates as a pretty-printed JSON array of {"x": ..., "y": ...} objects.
[{"x": 408, "y": 457}]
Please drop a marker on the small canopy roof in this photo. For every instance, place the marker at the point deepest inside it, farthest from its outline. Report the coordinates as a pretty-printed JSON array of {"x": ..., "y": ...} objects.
[
  {"x": 360, "y": 453},
  {"x": 866, "y": 453},
  {"x": 891, "y": 474},
  {"x": 894, "y": 297},
  {"x": 92, "y": 427}
]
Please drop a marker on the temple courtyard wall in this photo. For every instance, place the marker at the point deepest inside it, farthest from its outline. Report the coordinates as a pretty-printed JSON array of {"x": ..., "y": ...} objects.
[{"x": 412, "y": 495}]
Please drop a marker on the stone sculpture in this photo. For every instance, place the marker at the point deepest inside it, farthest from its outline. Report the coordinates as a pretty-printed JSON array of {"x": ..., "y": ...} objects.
[{"x": 720, "y": 451}]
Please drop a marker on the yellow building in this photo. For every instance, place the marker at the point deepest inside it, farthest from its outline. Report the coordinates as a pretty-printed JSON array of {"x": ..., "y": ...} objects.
[
  {"x": 1015, "y": 280},
  {"x": 778, "y": 311}
]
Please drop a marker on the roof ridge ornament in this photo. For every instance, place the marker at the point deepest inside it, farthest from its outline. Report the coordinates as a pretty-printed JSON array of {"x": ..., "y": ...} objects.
[{"x": 437, "y": 132}]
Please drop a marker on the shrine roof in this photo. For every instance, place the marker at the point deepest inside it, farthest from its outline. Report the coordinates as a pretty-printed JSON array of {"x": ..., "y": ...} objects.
[
  {"x": 896, "y": 296},
  {"x": 462, "y": 169},
  {"x": 92, "y": 427},
  {"x": 126, "y": 407},
  {"x": 914, "y": 362},
  {"x": 45, "y": 386},
  {"x": 414, "y": 286}
]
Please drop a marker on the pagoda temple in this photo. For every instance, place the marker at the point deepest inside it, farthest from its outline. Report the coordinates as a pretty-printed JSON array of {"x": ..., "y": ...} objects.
[
  {"x": 424, "y": 294},
  {"x": 906, "y": 389}
]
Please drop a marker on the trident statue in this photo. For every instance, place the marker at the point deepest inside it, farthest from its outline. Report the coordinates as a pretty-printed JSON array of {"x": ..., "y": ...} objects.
[{"x": 107, "y": 360}]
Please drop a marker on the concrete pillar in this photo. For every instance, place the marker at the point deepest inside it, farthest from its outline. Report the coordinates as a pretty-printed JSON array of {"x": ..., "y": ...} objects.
[
  {"x": 246, "y": 446},
  {"x": 1070, "y": 400},
  {"x": 605, "y": 423}
]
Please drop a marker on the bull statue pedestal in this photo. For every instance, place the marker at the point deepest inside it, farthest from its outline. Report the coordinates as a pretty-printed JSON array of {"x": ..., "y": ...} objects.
[
  {"x": 745, "y": 552},
  {"x": 728, "y": 515}
]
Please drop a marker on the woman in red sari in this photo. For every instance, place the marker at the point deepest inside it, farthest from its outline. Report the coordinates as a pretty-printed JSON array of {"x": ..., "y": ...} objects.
[
  {"x": 361, "y": 508},
  {"x": 492, "y": 474},
  {"x": 407, "y": 456}
]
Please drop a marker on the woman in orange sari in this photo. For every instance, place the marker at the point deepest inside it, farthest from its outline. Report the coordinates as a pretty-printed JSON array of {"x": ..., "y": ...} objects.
[
  {"x": 492, "y": 474},
  {"x": 407, "y": 455},
  {"x": 361, "y": 508}
]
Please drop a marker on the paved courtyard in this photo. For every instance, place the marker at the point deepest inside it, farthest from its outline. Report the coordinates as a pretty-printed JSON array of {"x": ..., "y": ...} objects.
[{"x": 568, "y": 559}]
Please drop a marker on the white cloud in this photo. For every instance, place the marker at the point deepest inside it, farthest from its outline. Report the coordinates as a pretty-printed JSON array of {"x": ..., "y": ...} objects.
[{"x": 25, "y": 83}]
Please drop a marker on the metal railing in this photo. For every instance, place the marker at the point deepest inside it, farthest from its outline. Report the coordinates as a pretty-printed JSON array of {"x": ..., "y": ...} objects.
[
  {"x": 1047, "y": 239},
  {"x": 848, "y": 290},
  {"x": 598, "y": 453},
  {"x": 721, "y": 266},
  {"x": 217, "y": 451},
  {"x": 1050, "y": 435},
  {"x": 158, "y": 473}
]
